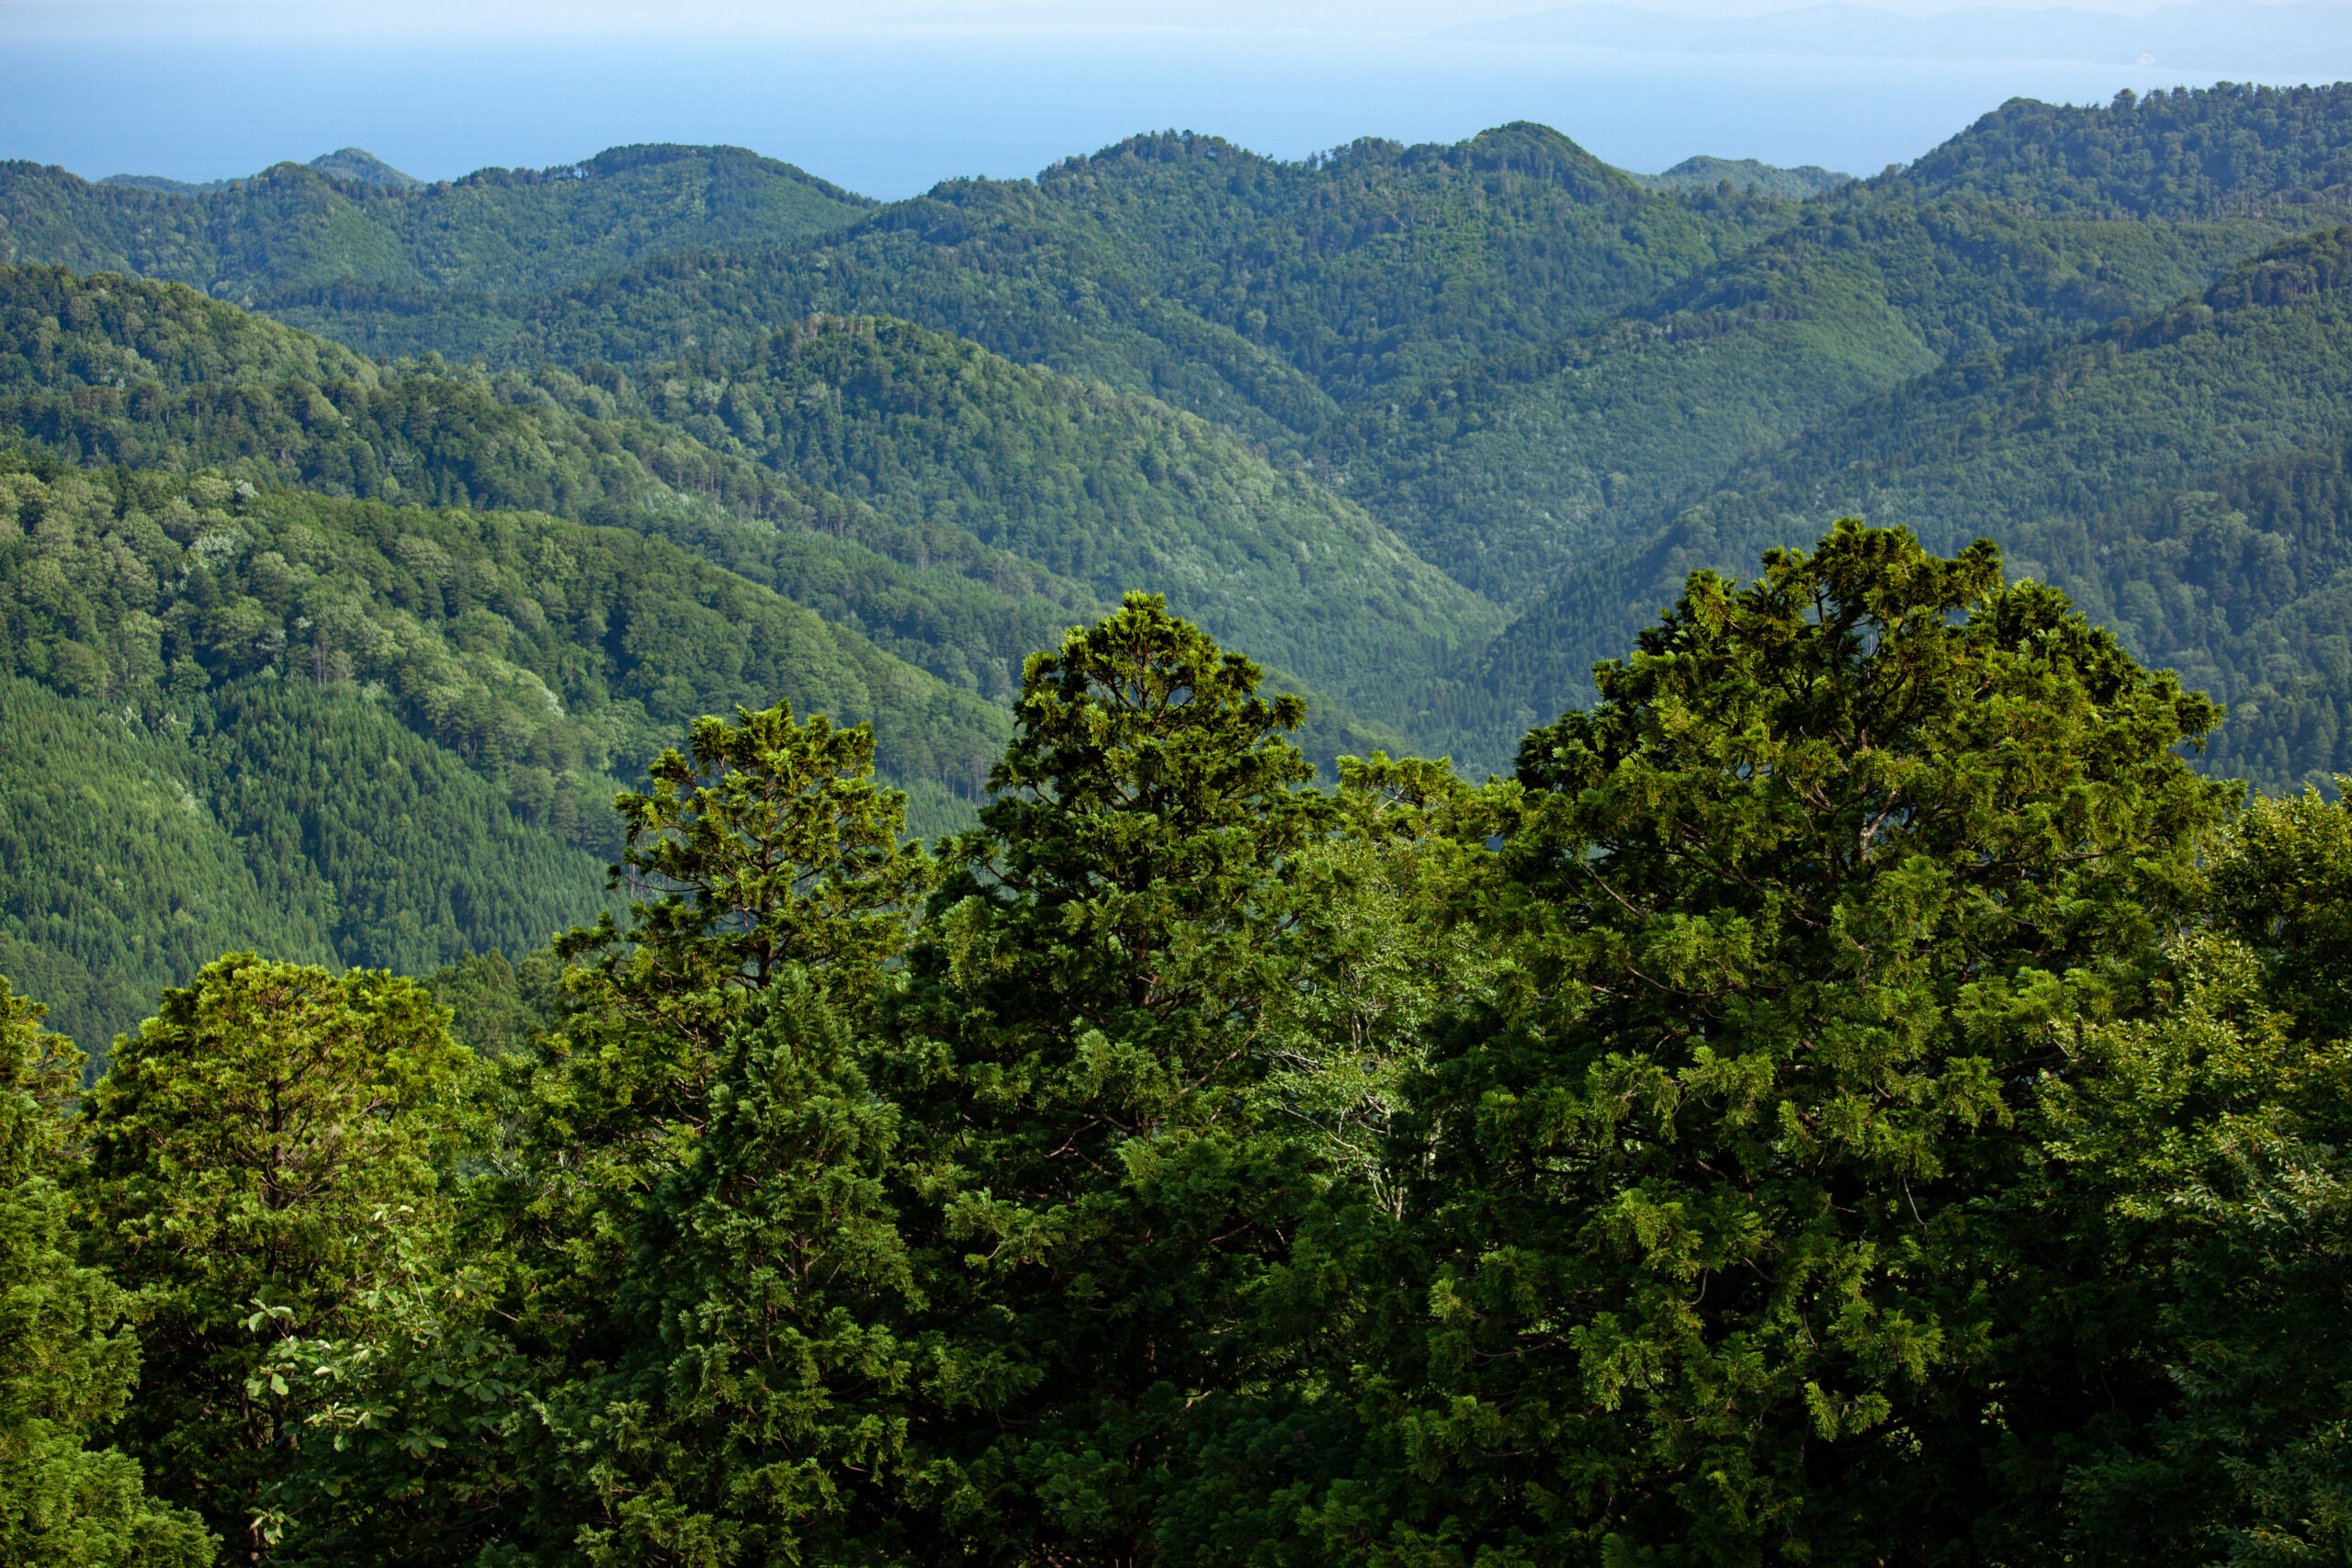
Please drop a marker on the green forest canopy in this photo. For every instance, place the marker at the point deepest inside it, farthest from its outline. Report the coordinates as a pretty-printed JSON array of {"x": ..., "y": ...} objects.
[{"x": 1220, "y": 1169}]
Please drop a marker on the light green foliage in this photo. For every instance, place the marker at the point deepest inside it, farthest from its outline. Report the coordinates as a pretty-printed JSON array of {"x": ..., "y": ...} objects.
[
  {"x": 2284, "y": 886},
  {"x": 1383, "y": 955},
  {"x": 253, "y": 1150},
  {"x": 67, "y": 1360},
  {"x": 295, "y": 228},
  {"x": 1795, "y": 907},
  {"x": 413, "y": 721},
  {"x": 2206, "y": 1143}
]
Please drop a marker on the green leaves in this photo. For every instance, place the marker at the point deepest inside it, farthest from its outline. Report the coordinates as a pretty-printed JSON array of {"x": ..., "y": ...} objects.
[
  {"x": 68, "y": 1361},
  {"x": 1799, "y": 904},
  {"x": 771, "y": 846},
  {"x": 254, "y": 1152}
]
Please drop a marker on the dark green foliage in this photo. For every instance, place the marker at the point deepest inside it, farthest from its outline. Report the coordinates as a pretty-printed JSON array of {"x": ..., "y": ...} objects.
[
  {"x": 763, "y": 1415},
  {"x": 1798, "y": 907},
  {"x": 295, "y": 226},
  {"x": 405, "y": 855},
  {"x": 1857, "y": 1097},
  {"x": 2183, "y": 154},
  {"x": 67, "y": 1360},
  {"x": 1085, "y": 1017}
]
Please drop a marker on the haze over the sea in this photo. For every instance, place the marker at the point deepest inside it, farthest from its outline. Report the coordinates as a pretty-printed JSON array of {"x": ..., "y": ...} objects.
[{"x": 890, "y": 110}]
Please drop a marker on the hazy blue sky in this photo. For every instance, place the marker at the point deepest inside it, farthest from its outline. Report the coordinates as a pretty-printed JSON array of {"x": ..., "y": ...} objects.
[{"x": 908, "y": 94}]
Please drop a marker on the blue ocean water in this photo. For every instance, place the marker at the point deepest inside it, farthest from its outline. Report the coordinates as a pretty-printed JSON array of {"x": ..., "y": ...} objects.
[{"x": 891, "y": 114}]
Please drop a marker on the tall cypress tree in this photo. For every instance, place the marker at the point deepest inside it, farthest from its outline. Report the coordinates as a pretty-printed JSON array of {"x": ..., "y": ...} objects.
[{"x": 1084, "y": 1018}]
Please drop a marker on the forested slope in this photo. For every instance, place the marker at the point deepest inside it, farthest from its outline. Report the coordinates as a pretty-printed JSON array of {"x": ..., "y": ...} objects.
[
  {"x": 143, "y": 840},
  {"x": 301, "y": 226},
  {"x": 1506, "y": 471},
  {"x": 2065, "y": 453},
  {"x": 404, "y": 726},
  {"x": 1259, "y": 293},
  {"x": 1113, "y": 491},
  {"x": 918, "y": 489},
  {"x": 2179, "y": 153}
]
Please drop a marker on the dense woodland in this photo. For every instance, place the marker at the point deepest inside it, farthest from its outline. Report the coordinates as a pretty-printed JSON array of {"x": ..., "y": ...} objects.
[
  {"x": 1856, "y": 1095},
  {"x": 1861, "y": 1080}
]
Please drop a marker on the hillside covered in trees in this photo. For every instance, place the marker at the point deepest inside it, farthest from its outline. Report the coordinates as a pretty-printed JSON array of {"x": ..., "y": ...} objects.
[
  {"x": 683, "y": 936},
  {"x": 1431, "y": 430},
  {"x": 1671, "y": 1152}
]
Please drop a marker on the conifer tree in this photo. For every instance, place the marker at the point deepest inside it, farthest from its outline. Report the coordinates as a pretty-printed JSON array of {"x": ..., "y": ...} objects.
[
  {"x": 760, "y": 1415},
  {"x": 254, "y": 1150},
  {"x": 68, "y": 1361},
  {"x": 1796, "y": 908},
  {"x": 1085, "y": 1017}
]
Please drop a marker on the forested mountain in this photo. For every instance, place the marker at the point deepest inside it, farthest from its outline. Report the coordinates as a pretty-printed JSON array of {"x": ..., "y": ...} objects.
[
  {"x": 1348, "y": 412},
  {"x": 1259, "y": 293},
  {"x": 305, "y": 226},
  {"x": 2120, "y": 464},
  {"x": 2175, "y": 154},
  {"x": 1507, "y": 470},
  {"x": 1702, "y": 171},
  {"x": 266, "y": 812},
  {"x": 1862, "y": 1091},
  {"x": 1046, "y": 497},
  {"x": 1110, "y": 491},
  {"x": 404, "y": 728},
  {"x": 344, "y": 163}
]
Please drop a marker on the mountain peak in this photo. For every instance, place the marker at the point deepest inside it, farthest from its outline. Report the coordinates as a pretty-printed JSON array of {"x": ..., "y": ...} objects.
[{"x": 358, "y": 164}]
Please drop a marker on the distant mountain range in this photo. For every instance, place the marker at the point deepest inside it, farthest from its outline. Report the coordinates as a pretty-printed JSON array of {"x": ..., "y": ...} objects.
[
  {"x": 2307, "y": 40},
  {"x": 344, "y": 163},
  {"x": 508, "y": 476}
]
